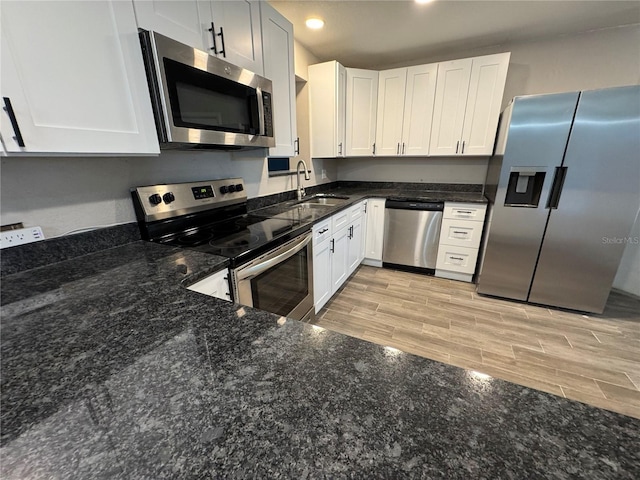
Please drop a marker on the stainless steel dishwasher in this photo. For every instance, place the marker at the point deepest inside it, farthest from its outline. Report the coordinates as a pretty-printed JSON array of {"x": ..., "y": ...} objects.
[{"x": 411, "y": 234}]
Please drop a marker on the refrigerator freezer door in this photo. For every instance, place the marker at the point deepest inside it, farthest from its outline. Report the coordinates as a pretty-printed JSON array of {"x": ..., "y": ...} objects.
[
  {"x": 586, "y": 235},
  {"x": 537, "y": 139}
]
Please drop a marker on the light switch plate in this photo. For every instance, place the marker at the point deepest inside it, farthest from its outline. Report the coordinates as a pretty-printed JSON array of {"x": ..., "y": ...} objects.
[{"x": 11, "y": 238}]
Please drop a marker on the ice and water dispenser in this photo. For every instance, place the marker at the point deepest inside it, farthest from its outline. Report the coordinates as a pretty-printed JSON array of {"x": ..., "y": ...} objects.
[{"x": 525, "y": 186}]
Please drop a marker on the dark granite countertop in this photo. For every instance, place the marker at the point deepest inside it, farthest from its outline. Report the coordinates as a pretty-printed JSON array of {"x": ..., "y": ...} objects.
[
  {"x": 291, "y": 210},
  {"x": 112, "y": 369}
]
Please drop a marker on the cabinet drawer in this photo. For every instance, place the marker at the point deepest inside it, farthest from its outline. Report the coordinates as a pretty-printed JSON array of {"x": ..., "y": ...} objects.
[
  {"x": 457, "y": 259},
  {"x": 355, "y": 211},
  {"x": 340, "y": 220},
  {"x": 321, "y": 231},
  {"x": 462, "y": 233},
  {"x": 465, "y": 211}
]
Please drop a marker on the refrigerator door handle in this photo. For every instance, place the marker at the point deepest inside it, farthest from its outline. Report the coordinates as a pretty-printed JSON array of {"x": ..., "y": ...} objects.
[{"x": 556, "y": 187}]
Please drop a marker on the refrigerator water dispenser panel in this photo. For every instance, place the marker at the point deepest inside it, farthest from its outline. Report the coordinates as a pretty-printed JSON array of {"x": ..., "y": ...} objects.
[{"x": 524, "y": 187}]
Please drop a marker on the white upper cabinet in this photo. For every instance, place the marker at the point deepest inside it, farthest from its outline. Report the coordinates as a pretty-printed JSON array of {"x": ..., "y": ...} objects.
[
  {"x": 277, "y": 45},
  {"x": 238, "y": 33},
  {"x": 362, "y": 101},
  {"x": 391, "y": 88},
  {"x": 467, "y": 105},
  {"x": 73, "y": 75},
  {"x": 327, "y": 109},
  {"x": 405, "y": 106},
  {"x": 186, "y": 21},
  {"x": 229, "y": 30}
]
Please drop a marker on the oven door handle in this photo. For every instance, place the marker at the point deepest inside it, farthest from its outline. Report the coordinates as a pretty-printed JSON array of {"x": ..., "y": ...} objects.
[{"x": 255, "y": 270}]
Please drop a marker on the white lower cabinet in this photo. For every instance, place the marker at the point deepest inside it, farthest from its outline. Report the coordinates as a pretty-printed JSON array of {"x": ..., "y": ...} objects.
[
  {"x": 374, "y": 233},
  {"x": 216, "y": 285},
  {"x": 337, "y": 252},
  {"x": 460, "y": 237},
  {"x": 322, "y": 247}
]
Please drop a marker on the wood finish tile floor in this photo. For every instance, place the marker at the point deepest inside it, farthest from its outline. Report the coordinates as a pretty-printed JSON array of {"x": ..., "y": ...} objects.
[{"x": 594, "y": 359}]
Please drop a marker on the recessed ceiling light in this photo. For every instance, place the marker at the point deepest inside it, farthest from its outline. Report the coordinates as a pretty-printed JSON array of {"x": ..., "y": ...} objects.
[
  {"x": 314, "y": 23},
  {"x": 424, "y": 1}
]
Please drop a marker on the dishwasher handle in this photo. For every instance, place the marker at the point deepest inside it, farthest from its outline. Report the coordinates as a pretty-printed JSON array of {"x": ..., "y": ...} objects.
[{"x": 410, "y": 205}]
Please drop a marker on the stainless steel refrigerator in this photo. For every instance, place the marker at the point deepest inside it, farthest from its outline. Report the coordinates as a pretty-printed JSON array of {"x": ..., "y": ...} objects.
[{"x": 564, "y": 186}]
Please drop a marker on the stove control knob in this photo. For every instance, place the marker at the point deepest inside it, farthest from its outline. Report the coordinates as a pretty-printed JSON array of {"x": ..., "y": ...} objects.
[
  {"x": 224, "y": 189},
  {"x": 232, "y": 188},
  {"x": 168, "y": 197},
  {"x": 239, "y": 187},
  {"x": 155, "y": 199}
]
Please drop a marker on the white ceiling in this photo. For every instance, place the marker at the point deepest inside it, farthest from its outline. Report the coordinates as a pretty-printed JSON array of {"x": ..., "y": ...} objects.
[{"x": 376, "y": 34}]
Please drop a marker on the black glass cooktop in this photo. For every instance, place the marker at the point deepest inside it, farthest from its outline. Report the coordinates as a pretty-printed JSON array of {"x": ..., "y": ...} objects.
[{"x": 236, "y": 238}]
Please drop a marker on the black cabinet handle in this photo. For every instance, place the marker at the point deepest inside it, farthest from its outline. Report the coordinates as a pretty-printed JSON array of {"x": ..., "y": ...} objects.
[
  {"x": 350, "y": 236},
  {"x": 456, "y": 258},
  {"x": 213, "y": 35},
  {"x": 323, "y": 230},
  {"x": 461, "y": 233},
  {"x": 462, "y": 147},
  {"x": 403, "y": 148},
  {"x": 14, "y": 121},
  {"x": 221, "y": 35},
  {"x": 374, "y": 148},
  {"x": 457, "y": 145},
  {"x": 398, "y": 149},
  {"x": 296, "y": 146},
  {"x": 333, "y": 245}
]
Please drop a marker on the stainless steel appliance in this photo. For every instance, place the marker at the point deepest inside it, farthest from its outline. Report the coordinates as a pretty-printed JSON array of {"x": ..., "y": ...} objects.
[
  {"x": 199, "y": 100},
  {"x": 564, "y": 186},
  {"x": 270, "y": 257},
  {"x": 411, "y": 234}
]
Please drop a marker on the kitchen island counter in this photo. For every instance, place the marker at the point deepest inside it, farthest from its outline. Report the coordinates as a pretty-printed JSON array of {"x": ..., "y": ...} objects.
[{"x": 112, "y": 369}]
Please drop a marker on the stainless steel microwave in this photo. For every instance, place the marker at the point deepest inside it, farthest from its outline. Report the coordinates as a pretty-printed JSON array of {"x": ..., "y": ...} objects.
[{"x": 200, "y": 101}]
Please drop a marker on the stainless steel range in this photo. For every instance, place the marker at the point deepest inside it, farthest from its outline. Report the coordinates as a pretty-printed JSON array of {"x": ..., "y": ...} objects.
[{"x": 270, "y": 258}]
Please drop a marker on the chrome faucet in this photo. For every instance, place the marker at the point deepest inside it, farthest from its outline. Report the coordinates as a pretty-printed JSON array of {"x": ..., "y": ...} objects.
[{"x": 306, "y": 177}]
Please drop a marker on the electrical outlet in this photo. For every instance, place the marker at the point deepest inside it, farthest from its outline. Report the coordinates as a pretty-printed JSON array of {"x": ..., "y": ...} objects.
[
  {"x": 324, "y": 173},
  {"x": 11, "y": 238}
]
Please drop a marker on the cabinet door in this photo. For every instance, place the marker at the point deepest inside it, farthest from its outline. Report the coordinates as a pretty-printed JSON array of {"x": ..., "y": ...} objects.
[
  {"x": 322, "y": 281},
  {"x": 391, "y": 102},
  {"x": 452, "y": 87},
  {"x": 355, "y": 244},
  {"x": 418, "y": 109},
  {"x": 327, "y": 93},
  {"x": 341, "y": 106},
  {"x": 73, "y": 72},
  {"x": 362, "y": 101},
  {"x": 187, "y": 21},
  {"x": 339, "y": 259},
  {"x": 240, "y": 41},
  {"x": 364, "y": 230},
  {"x": 375, "y": 229},
  {"x": 277, "y": 47},
  {"x": 486, "y": 87},
  {"x": 216, "y": 285}
]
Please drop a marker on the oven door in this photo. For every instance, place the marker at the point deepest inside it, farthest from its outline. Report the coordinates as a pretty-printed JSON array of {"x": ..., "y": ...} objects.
[{"x": 280, "y": 281}]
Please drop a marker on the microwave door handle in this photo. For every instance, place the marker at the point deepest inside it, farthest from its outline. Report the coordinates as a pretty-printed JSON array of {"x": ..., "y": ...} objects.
[
  {"x": 255, "y": 270},
  {"x": 261, "y": 112}
]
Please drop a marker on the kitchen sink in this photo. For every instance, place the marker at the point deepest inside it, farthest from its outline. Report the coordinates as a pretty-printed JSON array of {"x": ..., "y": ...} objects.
[{"x": 322, "y": 200}]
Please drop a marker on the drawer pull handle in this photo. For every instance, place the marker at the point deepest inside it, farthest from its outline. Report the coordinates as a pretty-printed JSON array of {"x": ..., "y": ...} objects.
[
  {"x": 333, "y": 246},
  {"x": 464, "y": 212},
  {"x": 323, "y": 231},
  {"x": 461, "y": 233},
  {"x": 456, "y": 258}
]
